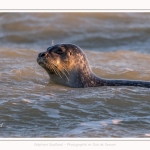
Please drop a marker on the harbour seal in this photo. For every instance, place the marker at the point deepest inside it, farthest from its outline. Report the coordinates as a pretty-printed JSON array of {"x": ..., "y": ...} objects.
[{"x": 67, "y": 65}]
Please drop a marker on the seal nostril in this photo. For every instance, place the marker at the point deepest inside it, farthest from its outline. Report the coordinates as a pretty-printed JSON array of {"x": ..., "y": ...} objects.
[{"x": 41, "y": 54}]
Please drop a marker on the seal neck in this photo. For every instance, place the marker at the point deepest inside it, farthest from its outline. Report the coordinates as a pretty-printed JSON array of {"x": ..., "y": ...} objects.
[{"x": 86, "y": 78}]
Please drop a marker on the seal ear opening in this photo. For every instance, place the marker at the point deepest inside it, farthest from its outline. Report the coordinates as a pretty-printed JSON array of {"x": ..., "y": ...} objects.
[{"x": 70, "y": 53}]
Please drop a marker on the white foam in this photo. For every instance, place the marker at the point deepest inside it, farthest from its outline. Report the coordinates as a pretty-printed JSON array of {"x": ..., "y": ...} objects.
[
  {"x": 104, "y": 123},
  {"x": 147, "y": 134},
  {"x": 116, "y": 121},
  {"x": 27, "y": 101}
]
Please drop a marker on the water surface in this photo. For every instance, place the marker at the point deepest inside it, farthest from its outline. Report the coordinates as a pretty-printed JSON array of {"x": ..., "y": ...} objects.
[{"x": 117, "y": 46}]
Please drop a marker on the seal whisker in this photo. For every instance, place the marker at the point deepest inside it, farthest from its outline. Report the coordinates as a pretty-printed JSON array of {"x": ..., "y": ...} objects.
[
  {"x": 66, "y": 70},
  {"x": 61, "y": 71},
  {"x": 54, "y": 69},
  {"x": 57, "y": 70},
  {"x": 65, "y": 75},
  {"x": 50, "y": 66}
]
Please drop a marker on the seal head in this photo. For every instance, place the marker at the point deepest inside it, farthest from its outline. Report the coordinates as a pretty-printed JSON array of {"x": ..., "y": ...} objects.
[{"x": 67, "y": 65}]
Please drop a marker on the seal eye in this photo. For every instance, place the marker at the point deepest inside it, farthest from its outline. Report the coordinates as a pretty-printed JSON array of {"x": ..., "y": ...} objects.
[{"x": 59, "y": 51}]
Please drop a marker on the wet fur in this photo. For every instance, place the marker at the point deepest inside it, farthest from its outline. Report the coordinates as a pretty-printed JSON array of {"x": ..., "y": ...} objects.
[{"x": 67, "y": 64}]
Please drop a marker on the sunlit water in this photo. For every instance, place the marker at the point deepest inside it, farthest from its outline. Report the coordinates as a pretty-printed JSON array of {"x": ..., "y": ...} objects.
[{"x": 117, "y": 46}]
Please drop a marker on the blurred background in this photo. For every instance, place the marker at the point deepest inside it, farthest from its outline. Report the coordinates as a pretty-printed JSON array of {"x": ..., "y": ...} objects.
[{"x": 91, "y": 31}]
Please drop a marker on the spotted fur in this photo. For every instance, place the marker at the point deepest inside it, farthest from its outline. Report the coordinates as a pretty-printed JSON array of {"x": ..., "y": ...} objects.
[{"x": 67, "y": 64}]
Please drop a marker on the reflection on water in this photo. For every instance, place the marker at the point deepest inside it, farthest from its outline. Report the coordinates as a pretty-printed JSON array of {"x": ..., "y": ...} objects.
[{"x": 117, "y": 46}]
